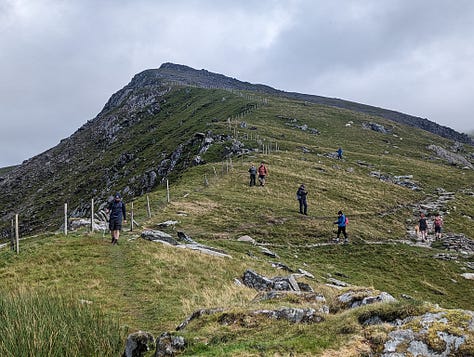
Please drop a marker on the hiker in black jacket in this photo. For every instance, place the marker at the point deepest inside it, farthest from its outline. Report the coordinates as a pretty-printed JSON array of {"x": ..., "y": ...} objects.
[
  {"x": 301, "y": 196},
  {"x": 253, "y": 174},
  {"x": 117, "y": 212}
]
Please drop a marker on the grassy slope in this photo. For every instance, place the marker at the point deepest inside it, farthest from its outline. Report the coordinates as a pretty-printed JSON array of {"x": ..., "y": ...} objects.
[
  {"x": 4, "y": 170},
  {"x": 154, "y": 287}
]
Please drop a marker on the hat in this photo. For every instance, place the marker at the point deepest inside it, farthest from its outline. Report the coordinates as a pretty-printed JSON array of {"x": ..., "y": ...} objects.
[
  {"x": 117, "y": 195},
  {"x": 340, "y": 212}
]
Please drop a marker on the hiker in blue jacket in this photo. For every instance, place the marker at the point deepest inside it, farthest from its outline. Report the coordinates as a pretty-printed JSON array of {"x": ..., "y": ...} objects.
[
  {"x": 341, "y": 226},
  {"x": 117, "y": 212}
]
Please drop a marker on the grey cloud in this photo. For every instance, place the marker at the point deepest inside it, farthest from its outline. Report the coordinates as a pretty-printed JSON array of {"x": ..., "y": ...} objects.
[{"x": 61, "y": 61}]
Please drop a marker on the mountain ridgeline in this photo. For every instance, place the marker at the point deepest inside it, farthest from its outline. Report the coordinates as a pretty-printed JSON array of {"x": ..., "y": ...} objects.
[
  {"x": 163, "y": 122},
  {"x": 205, "y": 79}
]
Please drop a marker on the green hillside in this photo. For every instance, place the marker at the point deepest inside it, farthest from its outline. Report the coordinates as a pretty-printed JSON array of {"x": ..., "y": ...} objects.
[{"x": 144, "y": 285}]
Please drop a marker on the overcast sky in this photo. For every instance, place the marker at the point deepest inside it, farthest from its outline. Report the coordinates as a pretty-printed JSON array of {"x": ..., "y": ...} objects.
[{"x": 60, "y": 60}]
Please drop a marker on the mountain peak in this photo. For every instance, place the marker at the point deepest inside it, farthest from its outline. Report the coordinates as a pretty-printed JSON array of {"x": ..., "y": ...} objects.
[{"x": 185, "y": 75}]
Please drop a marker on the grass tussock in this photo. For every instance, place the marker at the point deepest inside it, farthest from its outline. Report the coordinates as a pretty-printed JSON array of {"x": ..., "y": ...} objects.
[{"x": 52, "y": 325}]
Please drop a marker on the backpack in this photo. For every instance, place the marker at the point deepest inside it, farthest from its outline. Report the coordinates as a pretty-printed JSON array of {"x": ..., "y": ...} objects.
[{"x": 347, "y": 221}]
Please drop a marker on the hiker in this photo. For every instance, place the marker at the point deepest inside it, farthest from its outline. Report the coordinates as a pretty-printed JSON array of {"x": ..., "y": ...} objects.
[
  {"x": 438, "y": 223},
  {"x": 341, "y": 226},
  {"x": 339, "y": 153},
  {"x": 262, "y": 173},
  {"x": 117, "y": 212},
  {"x": 301, "y": 196},
  {"x": 253, "y": 174},
  {"x": 423, "y": 227}
]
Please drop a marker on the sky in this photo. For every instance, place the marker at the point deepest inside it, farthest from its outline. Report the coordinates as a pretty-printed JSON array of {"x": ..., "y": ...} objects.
[{"x": 61, "y": 60}]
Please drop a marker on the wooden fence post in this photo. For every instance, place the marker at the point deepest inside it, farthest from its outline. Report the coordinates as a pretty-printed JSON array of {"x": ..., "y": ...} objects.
[
  {"x": 17, "y": 235},
  {"x": 65, "y": 219},
  {"x": 92, "y": 215},
  {"x": 148, "y": 209},
  {"x": 12, "y": 236},
  {"x": 167, "y": 191},
  {"x": 131, "y": 216}
]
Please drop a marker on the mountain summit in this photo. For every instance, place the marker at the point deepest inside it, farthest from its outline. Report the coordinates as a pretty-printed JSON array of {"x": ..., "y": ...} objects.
[{"x": 185, "y": 75}]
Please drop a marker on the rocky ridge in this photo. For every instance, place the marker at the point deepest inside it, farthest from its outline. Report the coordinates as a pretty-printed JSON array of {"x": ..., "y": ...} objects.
[{"x": 203, "y": 78}]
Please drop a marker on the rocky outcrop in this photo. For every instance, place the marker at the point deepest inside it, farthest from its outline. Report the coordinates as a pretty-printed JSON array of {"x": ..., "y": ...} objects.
[
  {"x": 138, "y": 343},
  {"x": 458, "y": 243},
  {"x": 442, "y": 333},
  {"x": 293, "y": 315},
  {"x": 260, "y": 282},
  {"x": 196, "y": 315},
  {"x": 186, "y": 242},
  {"x": 376, "y": 127},
  {"x": 169, "y": 345},
  {"x": 450, "y": 157},
  {"x": 401, "y": 180},
  {"x": 352, "y": 299}
]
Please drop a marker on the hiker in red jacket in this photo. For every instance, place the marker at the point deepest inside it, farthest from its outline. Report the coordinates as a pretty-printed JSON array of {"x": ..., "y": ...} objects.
[{"x": 262, "y": 173}]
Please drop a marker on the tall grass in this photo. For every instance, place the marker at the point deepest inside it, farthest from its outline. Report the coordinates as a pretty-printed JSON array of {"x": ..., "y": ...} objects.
[{"x": 34, "y": 324}]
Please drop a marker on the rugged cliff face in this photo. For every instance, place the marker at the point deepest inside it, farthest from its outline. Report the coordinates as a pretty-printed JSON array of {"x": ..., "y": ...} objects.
[{"x": 153, "y": 128}]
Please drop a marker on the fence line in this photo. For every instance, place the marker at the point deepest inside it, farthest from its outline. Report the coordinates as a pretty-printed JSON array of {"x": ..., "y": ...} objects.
[{"x": 233, "y": 123}]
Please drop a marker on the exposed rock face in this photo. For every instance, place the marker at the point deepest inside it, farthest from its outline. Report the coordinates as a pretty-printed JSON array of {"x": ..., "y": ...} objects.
[
  {"x": 197, "y": 314},
  {"x": 138, "y": 344},
  {"x": 458, "y": 243},
  {"x": 158, "y": 235},
  {"x": 188, "y": 242},
  {"x": 403, "y": 180},
  {"x": 430, "y": 335},
  {"x": 352, "y": 299},
  {"x": 260, "y": 282},
  {"x": 169, "y": 345},
  {"x": 451, "y": 157},
  {"x": 294, "y": 315},
  {"x": 376, "y": 127}
]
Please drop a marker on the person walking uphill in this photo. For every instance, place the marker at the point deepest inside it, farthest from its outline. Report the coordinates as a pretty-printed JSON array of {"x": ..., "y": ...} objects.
[
  {"x": 438, "y": 223},
  {"x": 423, "y": 226},
  {"x": 341, "y": 226},
  {"x": 301, "y": 196},
  {"x": 253, "y": 174},
  {"x": 117, "y": 212},
  {"x": 262, "y": 173}
]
